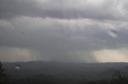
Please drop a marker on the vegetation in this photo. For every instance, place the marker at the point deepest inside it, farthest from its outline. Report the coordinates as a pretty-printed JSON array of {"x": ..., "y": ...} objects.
[
  {"x": 49, "y": 79},
  {"x": 3, "y": 76},
  {"x": 45, "y": 73}
]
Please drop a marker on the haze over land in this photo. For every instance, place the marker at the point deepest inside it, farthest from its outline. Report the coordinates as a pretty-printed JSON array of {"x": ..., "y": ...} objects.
[{"x": 64, "y": 30}]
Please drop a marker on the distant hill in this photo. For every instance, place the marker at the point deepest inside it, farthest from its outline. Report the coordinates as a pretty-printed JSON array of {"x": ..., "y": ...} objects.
[{"x": 91, "y": 71}]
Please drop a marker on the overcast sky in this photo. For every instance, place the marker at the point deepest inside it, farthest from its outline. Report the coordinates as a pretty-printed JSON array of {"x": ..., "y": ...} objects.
[{"x": 64, "y": 30}]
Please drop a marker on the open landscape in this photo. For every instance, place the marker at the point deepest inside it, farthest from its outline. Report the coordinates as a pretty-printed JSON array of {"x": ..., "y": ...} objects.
[{"x": 42, "y": 72}]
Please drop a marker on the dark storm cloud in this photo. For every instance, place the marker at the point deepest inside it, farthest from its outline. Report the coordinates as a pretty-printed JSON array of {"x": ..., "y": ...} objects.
[
  {"x": 55, "y": 48},
  {"x": 14, "y": 8},
  {"x": 58, "y": 41},
  {"x": 64, "y": 9},
  {"x": 46, "y": 27}
]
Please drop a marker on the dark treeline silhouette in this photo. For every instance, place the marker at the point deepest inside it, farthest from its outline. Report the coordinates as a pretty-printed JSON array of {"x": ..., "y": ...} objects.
[
  {"x": 3, "y": 76},
  {"x": 117, "y": 78}
]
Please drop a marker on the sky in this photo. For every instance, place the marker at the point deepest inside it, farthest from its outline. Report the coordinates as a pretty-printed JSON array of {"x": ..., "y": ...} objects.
[{"x": 86, "y": 31}]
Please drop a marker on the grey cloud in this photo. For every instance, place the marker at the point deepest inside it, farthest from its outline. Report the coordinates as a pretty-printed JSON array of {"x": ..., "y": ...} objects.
[
  {"x": 58, "y": 39},
  {"x": 60, "y": 45},
  {"x": 67, "y": 9},
  {"x": 14, "y": 8},
  {"x": 57, "y": 44}
]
